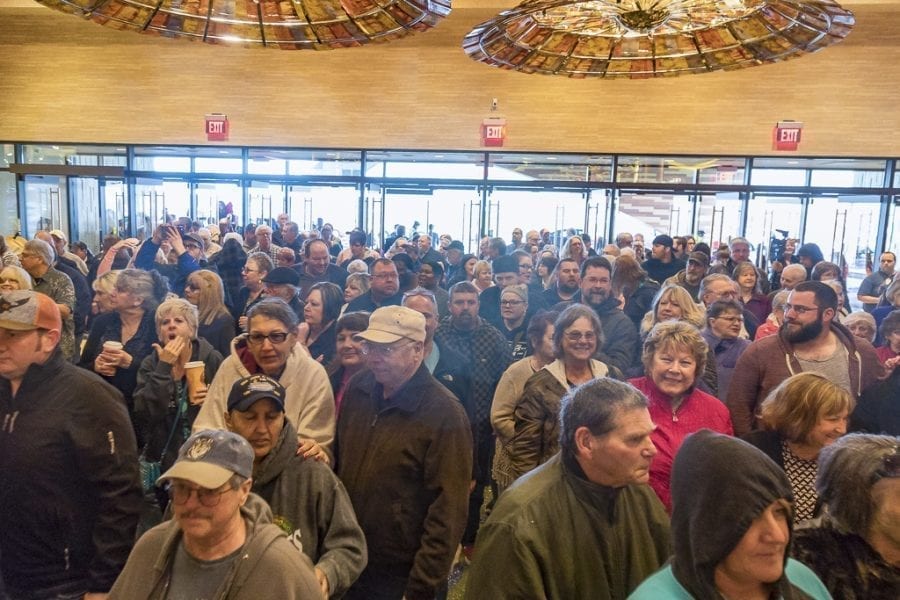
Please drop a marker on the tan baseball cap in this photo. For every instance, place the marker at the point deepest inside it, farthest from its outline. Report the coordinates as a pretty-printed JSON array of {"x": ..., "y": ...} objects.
[{"x": 390, "y": 324}]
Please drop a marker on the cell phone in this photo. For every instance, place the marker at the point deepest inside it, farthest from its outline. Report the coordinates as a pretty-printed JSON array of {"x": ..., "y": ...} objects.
[{"x": 180, "y": 228}]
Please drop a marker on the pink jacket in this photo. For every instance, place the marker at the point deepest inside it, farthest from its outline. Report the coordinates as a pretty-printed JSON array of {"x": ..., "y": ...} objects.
[{"x": 697, "y": 411}]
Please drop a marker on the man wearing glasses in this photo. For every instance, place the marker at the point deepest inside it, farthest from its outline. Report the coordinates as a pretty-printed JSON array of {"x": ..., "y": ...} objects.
[
  {"x": 384, "y": 289},
  {"x": 270, "y": 347},
  {"x": 70, "y": 494},
  {"x": 810, "y": 339},
  {"x": 404, "y": 453},
  {"x": 221, "y": 541}
]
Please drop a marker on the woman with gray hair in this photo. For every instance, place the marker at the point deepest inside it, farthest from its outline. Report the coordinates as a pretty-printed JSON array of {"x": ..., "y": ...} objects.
[
  {"x": 162, "y": 409},
  {"x": 577, "y": 335},
  {"x": 121, "y": 339},
  {"x": 855, "y": 547},
  {"x": 862, "y": 325}
]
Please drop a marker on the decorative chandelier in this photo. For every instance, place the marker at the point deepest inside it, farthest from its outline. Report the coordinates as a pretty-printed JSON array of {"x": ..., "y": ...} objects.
[
  {"x": 287, "y": 24},
  {"x": 651, "y": 38}
]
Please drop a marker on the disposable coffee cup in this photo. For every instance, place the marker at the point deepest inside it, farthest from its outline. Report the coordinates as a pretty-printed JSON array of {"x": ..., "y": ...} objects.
[
  {"x": 194, "y": 371},
  {"x": 111, "y": 345}
]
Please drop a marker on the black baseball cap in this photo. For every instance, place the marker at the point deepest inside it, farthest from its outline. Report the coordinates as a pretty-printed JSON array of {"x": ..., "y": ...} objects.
[{"x": 247, "y": 391}]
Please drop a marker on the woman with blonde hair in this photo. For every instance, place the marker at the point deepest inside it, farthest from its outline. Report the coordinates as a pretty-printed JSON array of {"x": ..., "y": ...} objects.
[
  {"x": 483, "y": 275},
  {"x": 14, "y": 278},
  {"x": 104, "y": 288},
  {"x": 205, "y": 290},
  {"x": 805, "y": 413},
  {"x": 674, "y": 303}
]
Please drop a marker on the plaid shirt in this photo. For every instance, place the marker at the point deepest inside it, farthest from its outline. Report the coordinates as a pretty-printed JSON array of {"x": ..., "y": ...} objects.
[
  {"x": 58, "y": 286},
  {"x": 488, "y": 356}
]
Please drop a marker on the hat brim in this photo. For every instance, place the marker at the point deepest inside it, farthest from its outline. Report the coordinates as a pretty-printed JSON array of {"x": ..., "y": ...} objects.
[
  {"x": 205, "y": 475},
  {"x": 252, "y": 399},
  {"x": 15, "y": 326},
  {"x": 376, "y": 336}
]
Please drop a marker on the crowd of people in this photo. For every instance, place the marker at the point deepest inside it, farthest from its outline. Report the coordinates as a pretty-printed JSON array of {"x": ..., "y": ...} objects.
[{"x": 266, "y": 413}]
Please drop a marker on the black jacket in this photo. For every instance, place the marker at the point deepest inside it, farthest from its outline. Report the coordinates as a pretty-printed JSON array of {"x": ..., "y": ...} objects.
[
  {"x": 156, "y": 399},
  {"x": 70, "y": 494}
]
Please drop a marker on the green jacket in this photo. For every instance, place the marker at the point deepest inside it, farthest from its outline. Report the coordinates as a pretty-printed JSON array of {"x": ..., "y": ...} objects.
[
  {"x": 269, "y": 567},
  {"x": 556, "y": 535}
]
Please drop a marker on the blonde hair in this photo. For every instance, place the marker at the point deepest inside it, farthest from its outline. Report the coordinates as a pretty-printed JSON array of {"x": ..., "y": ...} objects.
[
  {"x": 676, "y": 334},
  {"x": 19, "y": 274},
  {"x": 211, "y": 300},
  {"x": 479, "y": 266},
  {"x": 106, "y": 283},
  {"x": 691, "y": 312},
  {"x": 795, "y": 406}
]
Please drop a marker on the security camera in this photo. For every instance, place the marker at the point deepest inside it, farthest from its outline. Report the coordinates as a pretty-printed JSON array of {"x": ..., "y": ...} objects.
[{"x": 494, "y": 104}]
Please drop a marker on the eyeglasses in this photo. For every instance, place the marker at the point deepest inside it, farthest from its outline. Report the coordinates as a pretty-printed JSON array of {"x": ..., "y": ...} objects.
[
  {"x": 180, "y": 492},
  {"x": 276, "y": 337},
  {"x": 525, "y": 267},
  {"x": 731, "y": 319},
  {"x": 383, "y": 350},
  {"x": 511, "y": 302},
  {"x": 575, "y": 336},
  {"x": 194, "y": 287},
  {"x": 246, "y": 270},
  {"x": 800, "y": 310}
]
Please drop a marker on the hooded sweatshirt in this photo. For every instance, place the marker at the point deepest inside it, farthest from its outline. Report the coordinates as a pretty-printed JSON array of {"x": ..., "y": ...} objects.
[
  {"x": 311, "y": 505},
  {"x": 714, "y": 504},
  {"x": 268, "y": 567}
]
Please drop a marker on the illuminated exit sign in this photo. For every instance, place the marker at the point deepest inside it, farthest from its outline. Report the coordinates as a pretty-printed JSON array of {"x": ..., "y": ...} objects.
[
  {"x": 786, "y": 135},
  {"x": 216, "y": 127}
]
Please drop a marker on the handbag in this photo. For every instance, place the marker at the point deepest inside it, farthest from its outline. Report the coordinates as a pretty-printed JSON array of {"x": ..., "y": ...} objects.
[{"x": 151, "y": 469}]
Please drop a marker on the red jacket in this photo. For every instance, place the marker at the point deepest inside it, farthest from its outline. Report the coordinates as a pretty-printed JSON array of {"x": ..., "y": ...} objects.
[{"x": 697, "y": 411}]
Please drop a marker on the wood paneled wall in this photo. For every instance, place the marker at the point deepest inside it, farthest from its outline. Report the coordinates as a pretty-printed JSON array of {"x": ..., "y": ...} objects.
[{"x": 64, "y": 79}]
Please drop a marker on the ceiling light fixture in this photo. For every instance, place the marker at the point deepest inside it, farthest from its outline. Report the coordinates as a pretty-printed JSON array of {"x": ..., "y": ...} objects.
[
  {"x": 289, "y": 24},
  {"x": 652, "y": 38}
]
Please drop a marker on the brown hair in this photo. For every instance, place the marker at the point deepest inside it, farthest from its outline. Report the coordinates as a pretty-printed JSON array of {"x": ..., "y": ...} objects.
[{"x": 795, "y": 406}]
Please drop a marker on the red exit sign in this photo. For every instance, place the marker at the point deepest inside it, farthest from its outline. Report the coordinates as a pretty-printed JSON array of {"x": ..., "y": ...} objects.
[
  {"x": 786, "y": 135},
  {"x": 216, "y": 127},
  {"x": 493, "y": 131}
]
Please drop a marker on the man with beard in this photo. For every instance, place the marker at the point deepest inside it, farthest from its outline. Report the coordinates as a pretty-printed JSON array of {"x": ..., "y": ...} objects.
[
  {"x": 620, "y": 348},
  {"x": 692, "y": 275},
  {"x": 486, "y": 355},
  {"x": 568, "y": 282},
  {"x": 810, "y": 339},
  {"x": 873, "y": 286}
]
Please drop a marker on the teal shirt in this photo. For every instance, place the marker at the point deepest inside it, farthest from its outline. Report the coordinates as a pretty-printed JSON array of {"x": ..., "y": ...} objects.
[{"x": 663, "y": 584}]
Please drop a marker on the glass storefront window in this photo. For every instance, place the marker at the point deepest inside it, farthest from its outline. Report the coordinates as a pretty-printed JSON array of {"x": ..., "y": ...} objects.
[
  {"x": 425, "y": 165},
  {"x": 549, "y": 167}
]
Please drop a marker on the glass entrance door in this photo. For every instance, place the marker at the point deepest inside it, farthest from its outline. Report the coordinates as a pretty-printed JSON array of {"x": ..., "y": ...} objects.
[
  {"x": 314, "y": 205},
  {"x": 46, "y": 204},
  {"x": 558, "y": 211}
]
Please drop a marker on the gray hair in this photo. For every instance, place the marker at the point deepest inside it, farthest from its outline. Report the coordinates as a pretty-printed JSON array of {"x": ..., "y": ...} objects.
[
  {"x": 780, "y": 299},
  {"x": 595, "y": 405},
  {"x": 848, "y": 469},
  {"x": 261, "y": 260},
  {"x": 356, "y": 266},
  {"x": 801, "y": 270},
  {"x": 41, "y": 249},
  {"x": 275, "y": 309},
  {"x": 178, "y": 307},
  {"x": 419, "y": 291},
  {"x": 710, "y": 279}
]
